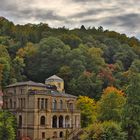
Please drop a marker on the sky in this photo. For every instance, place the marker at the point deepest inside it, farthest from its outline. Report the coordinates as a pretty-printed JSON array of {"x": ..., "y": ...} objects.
[{"x": 119, "y": 15}]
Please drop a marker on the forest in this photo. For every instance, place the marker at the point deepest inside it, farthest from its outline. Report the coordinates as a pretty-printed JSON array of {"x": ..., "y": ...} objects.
[
  {"x": 99, "y": 66},
  {"x": 88, "y": 59}
]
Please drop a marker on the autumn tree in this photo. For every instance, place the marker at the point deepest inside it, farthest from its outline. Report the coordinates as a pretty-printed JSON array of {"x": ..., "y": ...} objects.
[{"x": 110, "y": 106}]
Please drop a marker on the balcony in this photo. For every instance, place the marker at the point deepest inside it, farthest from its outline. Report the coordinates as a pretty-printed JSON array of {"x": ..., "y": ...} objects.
[{"x": 65, "y": 110}]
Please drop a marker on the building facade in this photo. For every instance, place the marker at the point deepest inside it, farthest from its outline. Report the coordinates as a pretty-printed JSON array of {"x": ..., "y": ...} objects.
[{"x": 42, "y": 111}]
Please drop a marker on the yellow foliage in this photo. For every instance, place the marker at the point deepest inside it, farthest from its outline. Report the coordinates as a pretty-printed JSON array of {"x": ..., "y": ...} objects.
[
  {"x": 29, "y": 49},
  {"x": 112, "y": 89},
  {"x": 85, "y": 100}
]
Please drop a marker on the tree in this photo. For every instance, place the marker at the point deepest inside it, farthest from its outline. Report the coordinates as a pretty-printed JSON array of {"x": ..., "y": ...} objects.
[
  {"x": 88, "y": 84},
  {"x": 131, "y": 112},
  {"x": 72, "y": 40},
  {"x": 6, "y": 71},
  {"x": 103, "y": 131},
  {"x": 110, "y": 105},
  {"x": 7, "y": 126},
  {"x": 95, "y": 60},
  {"x": 50, "y": 57},
  {"x": 87, "y": 107},
  {"x": 1, "y": 74}
]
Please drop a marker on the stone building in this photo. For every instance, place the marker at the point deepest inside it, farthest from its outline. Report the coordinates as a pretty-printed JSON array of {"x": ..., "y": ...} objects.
[{"x": 43, "y": 111}]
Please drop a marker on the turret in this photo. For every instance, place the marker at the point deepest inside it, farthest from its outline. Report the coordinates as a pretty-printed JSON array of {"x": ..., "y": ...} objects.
[{"x": 56, "y": 81}]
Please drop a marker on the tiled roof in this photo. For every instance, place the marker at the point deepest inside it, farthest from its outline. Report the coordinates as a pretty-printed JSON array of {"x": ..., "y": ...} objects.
[
  {"x": 51, "y": 93},
  {"x": 55, "y": 93},
  {"x": 29, "y": 83},
  {"x": 54, "y": 77}
]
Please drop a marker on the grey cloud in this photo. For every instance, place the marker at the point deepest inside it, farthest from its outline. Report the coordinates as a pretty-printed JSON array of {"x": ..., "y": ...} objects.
[
  {"x": 125, "y": 21},
  {"x": 113, "y": 14},
  {"x": 82, "y": 0},
  {"x": 91, "y": 12}
]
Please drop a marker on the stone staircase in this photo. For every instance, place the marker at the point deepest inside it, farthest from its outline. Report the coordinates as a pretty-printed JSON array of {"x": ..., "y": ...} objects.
[{"x": 75, "y": 134}]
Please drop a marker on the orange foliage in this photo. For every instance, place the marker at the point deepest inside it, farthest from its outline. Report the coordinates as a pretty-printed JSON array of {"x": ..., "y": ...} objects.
[{"x": 112, "y": 89}]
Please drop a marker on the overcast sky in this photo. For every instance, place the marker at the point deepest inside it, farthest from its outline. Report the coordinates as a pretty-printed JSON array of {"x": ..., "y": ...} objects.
[{"x": 119, "y": 15}]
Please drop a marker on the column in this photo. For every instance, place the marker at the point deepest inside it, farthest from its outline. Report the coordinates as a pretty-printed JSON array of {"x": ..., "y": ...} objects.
[
  {"x": 51, "y": 123},
  {"x": 70, "y": 122},
  {"x": 64, "y": 122}
]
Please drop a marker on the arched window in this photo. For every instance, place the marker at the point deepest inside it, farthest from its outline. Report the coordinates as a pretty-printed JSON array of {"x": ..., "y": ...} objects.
[
  {"x": 54, "y": 122},
  {"x": 42, "y": 120},
  {"x": 67, "y": 121},
  {"x": 60, "y": 121},
  {"x": 61, "y": 134},
  {"x": 54, "y": 104},
  {"x": 20, "y": 120},
  {"x": 61, "y": 104}
]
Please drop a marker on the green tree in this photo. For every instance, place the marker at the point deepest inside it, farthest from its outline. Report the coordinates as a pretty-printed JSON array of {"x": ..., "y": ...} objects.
[
  {"x": 110, "y": 106},
  {"x": 7, "y": 126},
  {"x": 131, "y": 112},
  {"x": 88, "y": 84},
  {"x": 87, "y": 107},
  {"x": 103, "y": 131}
]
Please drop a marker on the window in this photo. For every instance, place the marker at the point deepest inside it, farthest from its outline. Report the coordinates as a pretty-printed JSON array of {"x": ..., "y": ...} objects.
[
  {"x": 24, "y": 102},
  {"x": 43, "y": 135},
  {"x": 21, "y": 103},
  {"x": 54, "y": 104},
  {"x": 15, "y": 91},
  {"x": 42, "y": 103},
  {"x": 59, "y": 85},
  {"x": 38, "y": 103},
  {"x": 61, "y": 122},
  {"x": 71, "y": 106},
  {"x": 67, "y": 121},
  {"x": 20, "y": 120},
  {"x": 14, "y": 104},
  {"x": 54, "y": 122},
  {"x": 42, "y": 120},
  {"x": 61, "y": 104},
  {"x": 46, "y": 103},
  {"x": 21, "y": 91},
  {"x": 61, "y": 134}
]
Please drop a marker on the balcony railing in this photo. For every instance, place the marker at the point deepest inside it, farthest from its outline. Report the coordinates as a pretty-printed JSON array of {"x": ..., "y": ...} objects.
[{"x": 65, "y": 110}]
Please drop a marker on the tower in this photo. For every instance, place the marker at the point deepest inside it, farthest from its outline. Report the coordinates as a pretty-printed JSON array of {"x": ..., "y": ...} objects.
[{"x": 57, "y": 81}]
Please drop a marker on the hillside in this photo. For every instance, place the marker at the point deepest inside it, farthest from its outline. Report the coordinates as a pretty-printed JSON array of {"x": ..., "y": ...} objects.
[{"x": 89, "y": 60}]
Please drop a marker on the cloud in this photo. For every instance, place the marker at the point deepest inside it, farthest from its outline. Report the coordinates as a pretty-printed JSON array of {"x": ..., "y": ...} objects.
[{"x": 120, "y": 15}]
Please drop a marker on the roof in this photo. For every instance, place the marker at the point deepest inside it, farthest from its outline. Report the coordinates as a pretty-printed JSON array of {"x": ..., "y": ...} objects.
[
  {"x": 27, "y": 83},
  {"x": 51, "y": 93},
  {"x": 54, "y": 77},
  {"x": 55, "y": 93}
]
